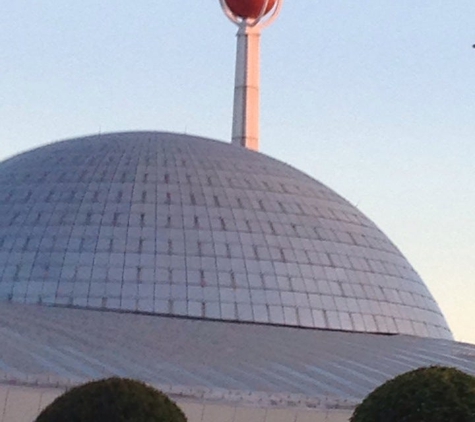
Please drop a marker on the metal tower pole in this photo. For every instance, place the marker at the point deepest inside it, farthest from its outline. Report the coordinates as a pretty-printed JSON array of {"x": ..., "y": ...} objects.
[
  {"x": 245, "y": 131},
  {"x": 246, "y": 89}
]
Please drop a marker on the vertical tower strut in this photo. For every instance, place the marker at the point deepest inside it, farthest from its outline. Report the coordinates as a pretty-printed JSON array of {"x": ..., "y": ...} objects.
[
  {"x": 245, "y": 130},
  {"x": 246, "y": 88}
]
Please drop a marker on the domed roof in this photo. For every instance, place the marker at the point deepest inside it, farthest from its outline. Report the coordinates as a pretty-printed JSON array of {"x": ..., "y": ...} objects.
[{"x": 179, "y": 225}]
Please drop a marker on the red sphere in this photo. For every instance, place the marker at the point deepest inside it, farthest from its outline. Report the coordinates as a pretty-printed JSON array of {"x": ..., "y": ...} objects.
[{"x": 250, "y": 9}]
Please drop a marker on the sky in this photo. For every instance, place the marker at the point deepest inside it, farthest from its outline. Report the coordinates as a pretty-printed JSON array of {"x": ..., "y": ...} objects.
[{"x": 374, "y": 98}]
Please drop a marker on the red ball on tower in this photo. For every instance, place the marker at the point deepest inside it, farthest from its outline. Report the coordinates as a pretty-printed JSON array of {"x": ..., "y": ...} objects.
[{"x": 250, "y": 9}]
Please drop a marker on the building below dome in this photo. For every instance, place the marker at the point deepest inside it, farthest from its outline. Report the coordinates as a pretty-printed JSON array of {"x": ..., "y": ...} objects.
[
  {"x": 215, "y": 370},
  {"x": 233, "y": 282}
]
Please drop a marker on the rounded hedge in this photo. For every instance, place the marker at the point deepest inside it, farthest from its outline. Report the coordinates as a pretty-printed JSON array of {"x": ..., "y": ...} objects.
[
  {"x": 433, "y": 394},
  {"x": 112, "y": 400}
]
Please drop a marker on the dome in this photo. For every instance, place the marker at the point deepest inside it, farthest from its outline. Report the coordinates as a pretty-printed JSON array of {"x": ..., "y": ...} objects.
[{"x": 178, "y": 225}]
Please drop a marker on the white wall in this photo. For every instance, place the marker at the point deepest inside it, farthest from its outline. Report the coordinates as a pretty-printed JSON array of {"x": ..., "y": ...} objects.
[{"x": 23, "y": 404}]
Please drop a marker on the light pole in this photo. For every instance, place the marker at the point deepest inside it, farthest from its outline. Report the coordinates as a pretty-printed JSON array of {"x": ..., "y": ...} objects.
[{"x": 251, "y": 16}]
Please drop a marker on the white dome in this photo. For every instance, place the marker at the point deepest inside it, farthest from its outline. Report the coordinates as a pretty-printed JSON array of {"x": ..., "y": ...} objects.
[{"x": 178, "y": 225}]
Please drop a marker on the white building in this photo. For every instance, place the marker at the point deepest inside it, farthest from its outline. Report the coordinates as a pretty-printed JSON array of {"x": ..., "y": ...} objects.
[{"x": 233, "y": 282}]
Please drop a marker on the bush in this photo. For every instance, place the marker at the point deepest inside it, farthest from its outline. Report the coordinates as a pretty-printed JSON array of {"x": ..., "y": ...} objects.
[
  {"x": 434, "y": 394},
  {"x": 112, "y": 400}
]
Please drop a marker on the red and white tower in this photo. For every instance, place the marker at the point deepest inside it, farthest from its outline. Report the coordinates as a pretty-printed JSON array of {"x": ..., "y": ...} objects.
[{"x": 251, "y": 16}]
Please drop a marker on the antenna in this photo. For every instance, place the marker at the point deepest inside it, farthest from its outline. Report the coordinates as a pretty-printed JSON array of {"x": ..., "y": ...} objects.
[{"x": 250, "y": 16}]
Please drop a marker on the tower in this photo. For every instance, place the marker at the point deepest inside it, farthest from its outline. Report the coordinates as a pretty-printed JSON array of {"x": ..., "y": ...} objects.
[{"x": 251, "y": 16}]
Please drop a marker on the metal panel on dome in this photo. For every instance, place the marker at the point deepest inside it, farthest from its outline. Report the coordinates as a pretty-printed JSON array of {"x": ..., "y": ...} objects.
[{"x": 180, "y": 225}]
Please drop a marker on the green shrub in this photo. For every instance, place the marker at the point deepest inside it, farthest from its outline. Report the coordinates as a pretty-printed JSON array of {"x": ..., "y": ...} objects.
[
  {"x": 112, "y": 400},
  {"x": 434, "y": 394}
]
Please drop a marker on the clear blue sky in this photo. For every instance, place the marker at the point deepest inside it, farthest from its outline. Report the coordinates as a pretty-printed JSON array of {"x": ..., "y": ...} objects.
[{"x": 375, "y": 98}]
